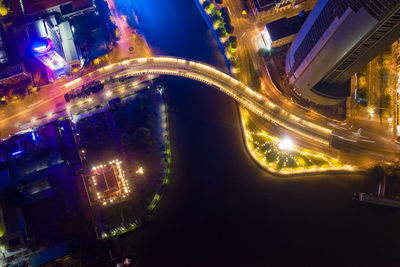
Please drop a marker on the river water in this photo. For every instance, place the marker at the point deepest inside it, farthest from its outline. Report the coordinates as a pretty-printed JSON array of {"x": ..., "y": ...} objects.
[{"x": 220, "y": 209}]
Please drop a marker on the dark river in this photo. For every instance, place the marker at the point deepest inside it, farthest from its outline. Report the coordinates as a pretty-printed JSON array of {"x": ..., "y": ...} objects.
[{"x": 220, "y": 209}]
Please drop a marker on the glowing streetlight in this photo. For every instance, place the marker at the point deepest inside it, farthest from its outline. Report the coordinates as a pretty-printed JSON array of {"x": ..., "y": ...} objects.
[
  {"x": 108, "y": 93},
  {"x": 286, "y": 144},
  {"x": 140, "y": 171}
]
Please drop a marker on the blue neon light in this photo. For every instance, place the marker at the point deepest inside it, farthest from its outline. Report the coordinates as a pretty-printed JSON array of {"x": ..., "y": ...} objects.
[
  {"x": 16, "y": 153},
  {"x": 33, "y": 136}
]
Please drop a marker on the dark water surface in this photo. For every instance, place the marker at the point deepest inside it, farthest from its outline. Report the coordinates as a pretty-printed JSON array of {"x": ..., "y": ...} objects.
[{"x": 220, "y": 209}]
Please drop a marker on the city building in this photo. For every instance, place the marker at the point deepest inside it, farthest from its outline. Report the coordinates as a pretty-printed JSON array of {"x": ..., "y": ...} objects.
[
  {"x": 337, "y": 40},
  {"x": 13, "y": 74},
  {"x": 43, "y": 28},
  {"x": 68, "y": 8},
  {"x": 49, "y": 208},
  {"x": 258, "y": 6},
  {"x": 280, "y": 32},
  {"x": 12, "y": 70},
  {"x": 50, "y": 41},
  {"x": 107, "y": 184}
]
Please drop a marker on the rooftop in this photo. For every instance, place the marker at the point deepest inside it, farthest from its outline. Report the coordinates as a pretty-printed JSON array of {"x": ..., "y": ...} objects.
[
  {"x": 108, "y": 182},
  {"x": 286, "y": 26},
  {"x": 263, "y": 5},
  {"x": 34, "y": 6}
]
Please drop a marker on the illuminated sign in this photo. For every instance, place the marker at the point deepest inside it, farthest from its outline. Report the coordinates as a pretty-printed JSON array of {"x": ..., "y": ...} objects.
[
  {"x": 52, "y": 60},
  {"x": 43, "y": 46}
]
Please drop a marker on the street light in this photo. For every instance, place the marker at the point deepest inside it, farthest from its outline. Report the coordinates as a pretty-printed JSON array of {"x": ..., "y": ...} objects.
[
  {"x": 140, "y": 171},
  {"x": 286, "y": 144}
]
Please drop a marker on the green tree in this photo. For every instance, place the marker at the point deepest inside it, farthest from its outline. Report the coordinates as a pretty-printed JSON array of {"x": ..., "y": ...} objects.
[
  {"x": 233, "y": 41},
  {"x": 229, "y": 28},
  {"x": 272, "y": 156},
  {"x": 386, "y": 101},
  {"x": 221, "y": 32},
  {"x": 206, "y": 4},
  {"x": 143, "y": 135},
  {"x": 126, "y": 139}
]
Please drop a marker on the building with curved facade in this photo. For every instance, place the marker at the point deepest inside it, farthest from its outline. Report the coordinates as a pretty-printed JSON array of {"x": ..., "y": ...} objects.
[{"x": 338, "y": 38}]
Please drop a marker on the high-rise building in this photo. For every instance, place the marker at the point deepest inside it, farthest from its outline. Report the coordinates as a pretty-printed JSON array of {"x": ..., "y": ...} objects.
[
  {"x": 46, "y": 42},
  {"x": 338, "y": 38},
  {"x": 12, "y": 70}
]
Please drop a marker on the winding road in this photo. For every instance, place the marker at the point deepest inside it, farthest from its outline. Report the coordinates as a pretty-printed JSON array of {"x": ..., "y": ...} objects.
[{"x": 321, "y": 135}]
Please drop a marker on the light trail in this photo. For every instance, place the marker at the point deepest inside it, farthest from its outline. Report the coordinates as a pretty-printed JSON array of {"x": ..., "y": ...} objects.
[
  {"x": 201, "y": 72},
  {"x": 229, "y": 85}
]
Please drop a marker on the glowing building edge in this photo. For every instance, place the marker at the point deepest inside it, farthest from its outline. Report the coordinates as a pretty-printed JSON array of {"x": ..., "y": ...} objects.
[{"x": 123, "y": 189}]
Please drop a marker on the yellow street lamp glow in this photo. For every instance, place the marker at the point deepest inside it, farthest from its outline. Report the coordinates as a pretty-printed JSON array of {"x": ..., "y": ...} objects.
[
  {"x": 108, "y": 93},
  {"x": 371, "y": 111},
  {"x": 286, "y": 144},
  {"x": 140, "y": 171}
]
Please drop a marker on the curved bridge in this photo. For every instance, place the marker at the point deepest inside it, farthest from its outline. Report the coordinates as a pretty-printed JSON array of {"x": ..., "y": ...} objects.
[{"x": 252, "y": 100}]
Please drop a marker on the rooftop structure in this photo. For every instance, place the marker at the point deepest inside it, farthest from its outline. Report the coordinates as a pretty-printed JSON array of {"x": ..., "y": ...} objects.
[
  {"x": 50, "y": 41},
  {"x": 363, "y": 197},
  {"x": 263, "y": 5},
  {"x": 46, "y": 42},
  {"x": 282, "y": 31},
  {"x": 49, "y": 194},
  {"x": 259, "y": 6},
  {"x": 337, "y": 40},
  {"x": 68, "y": 8},
  {"x": 12, "y": 70},
  {"x": 108, "y": 183},
  {"x": 13, "y": 74}
]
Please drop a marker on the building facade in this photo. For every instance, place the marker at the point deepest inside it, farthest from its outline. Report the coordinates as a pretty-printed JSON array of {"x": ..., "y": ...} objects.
[{"x": 338, "y": 38}]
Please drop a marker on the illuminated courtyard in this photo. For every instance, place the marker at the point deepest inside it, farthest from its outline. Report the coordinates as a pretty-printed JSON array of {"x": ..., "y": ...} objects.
[{"x": 108, "y": 184}]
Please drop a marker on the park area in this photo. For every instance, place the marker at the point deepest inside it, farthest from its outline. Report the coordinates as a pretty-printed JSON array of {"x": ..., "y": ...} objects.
[
  {"x": 280, "y": 155},
  {"x": 123, "y": 156}
]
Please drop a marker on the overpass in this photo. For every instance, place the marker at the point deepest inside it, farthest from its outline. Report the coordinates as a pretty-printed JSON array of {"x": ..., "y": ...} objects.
[{"x": 198, "y": 71}]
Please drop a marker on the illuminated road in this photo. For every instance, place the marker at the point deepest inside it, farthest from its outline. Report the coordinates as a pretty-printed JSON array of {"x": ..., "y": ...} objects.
[
  {"x": 227, "y": 84},
  {"x": 375, "y": 141},
  {"x": 298, "y": 127}
]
